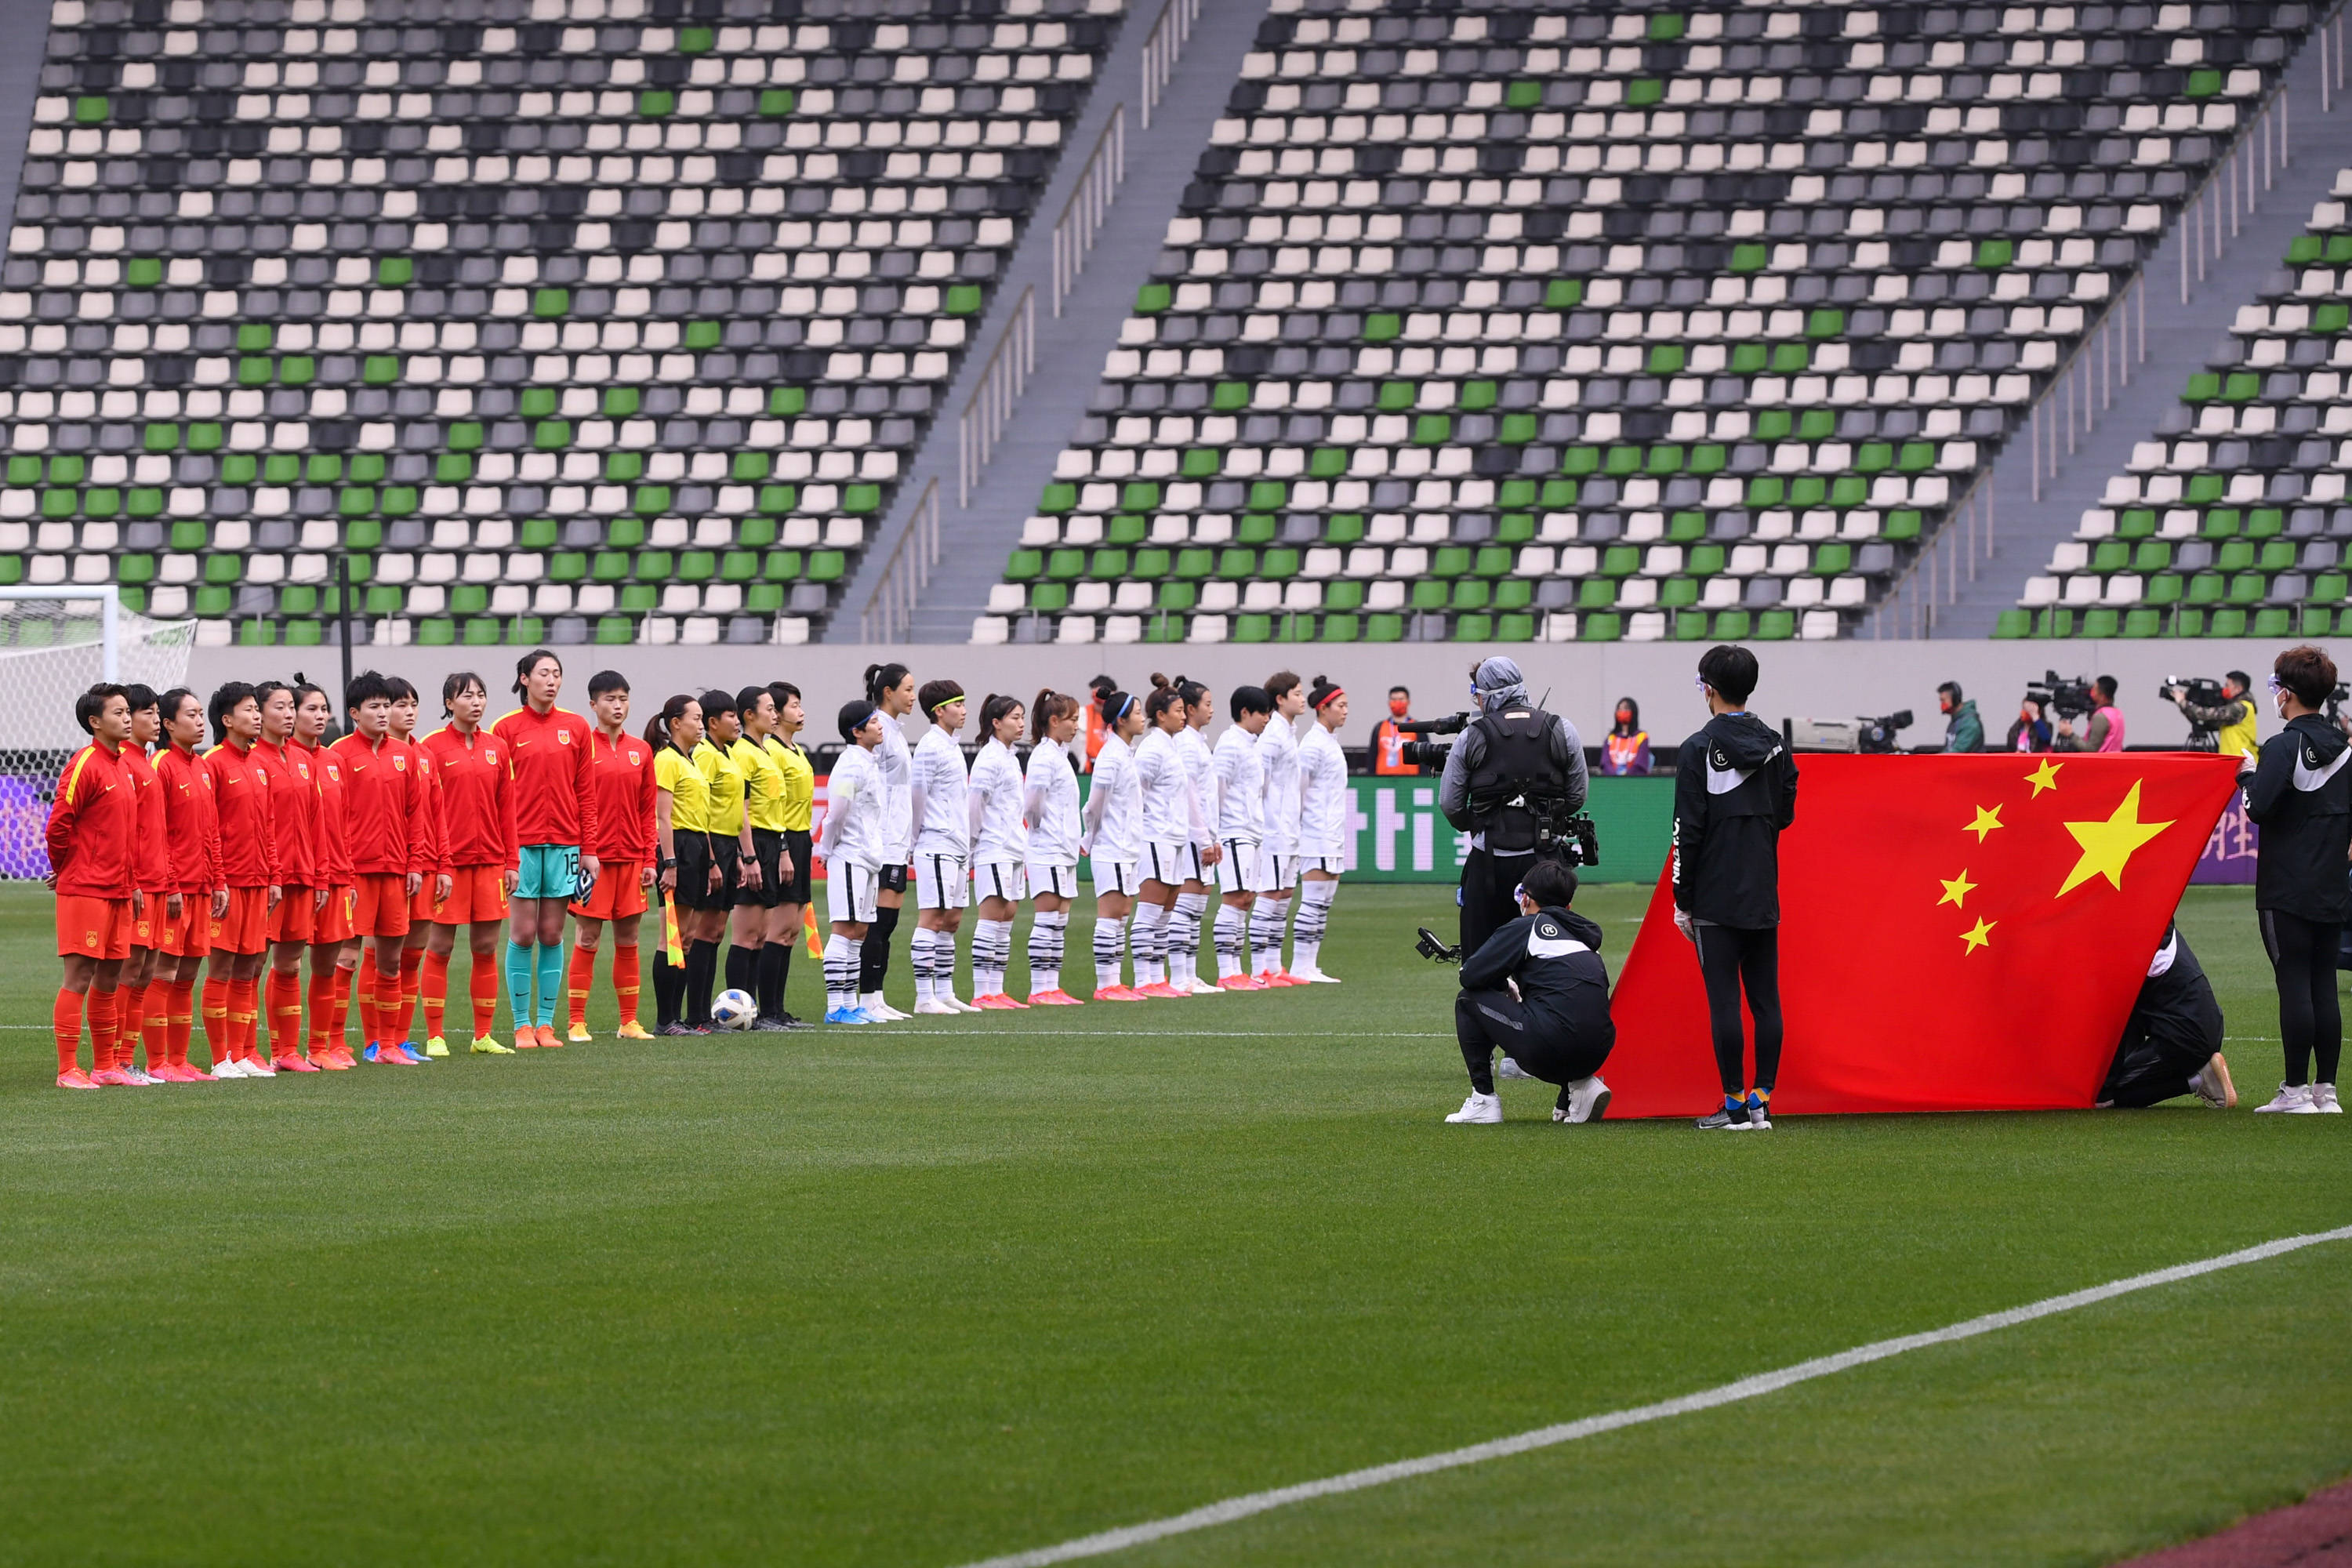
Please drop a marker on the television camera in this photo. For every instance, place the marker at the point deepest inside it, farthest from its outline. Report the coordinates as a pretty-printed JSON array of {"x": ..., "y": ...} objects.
[
  {"x": 1873, "y": 735},
  {"x": 2065, "y": 697}
]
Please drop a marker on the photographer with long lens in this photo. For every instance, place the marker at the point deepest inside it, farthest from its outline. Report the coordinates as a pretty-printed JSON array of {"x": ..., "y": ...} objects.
[
  {"x": 1514, "y": 763},
  {"x": 2220, "y": 714},
  {"x": 2299, "y": 793},
  {"x": 1538, "y": 990}
]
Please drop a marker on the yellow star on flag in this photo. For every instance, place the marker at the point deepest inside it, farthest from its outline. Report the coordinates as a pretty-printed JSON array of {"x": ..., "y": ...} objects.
[
  {"x": 1987, "y": 818},
  {"x": 2108, "y": 846},
  {"x": 1957, "y": 889},
  {"x": 1980, "y": 937},
  {"x": 2044, "y": 777}
]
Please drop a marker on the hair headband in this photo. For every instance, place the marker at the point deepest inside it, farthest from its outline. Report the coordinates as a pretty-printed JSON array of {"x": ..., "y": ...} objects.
[{"x": 1334, "y": 691}]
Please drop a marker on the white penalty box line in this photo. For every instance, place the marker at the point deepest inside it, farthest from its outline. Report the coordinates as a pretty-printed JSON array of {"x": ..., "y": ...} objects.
[{"x": 1244, "y": 1507}]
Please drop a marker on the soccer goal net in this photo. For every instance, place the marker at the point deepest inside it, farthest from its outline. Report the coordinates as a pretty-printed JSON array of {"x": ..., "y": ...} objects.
[{"x": 55, "y": 645}]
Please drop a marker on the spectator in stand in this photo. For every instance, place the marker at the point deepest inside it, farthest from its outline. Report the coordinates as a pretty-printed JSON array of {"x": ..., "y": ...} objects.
[
  {"x": 1626, "y": 750},
  {"x": 2030, "y": 732},
  {"x": 1963, "y": 731},
  {"x": 2105, "y": 732},
  {"x": 1388, "y": 740}
]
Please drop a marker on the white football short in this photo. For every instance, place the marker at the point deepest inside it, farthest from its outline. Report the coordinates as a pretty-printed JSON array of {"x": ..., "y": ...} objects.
[
  {"x": 850, "y": 892},
  {"x": 1169, "y": 863},
  {"x": 1000, "y": 879},
  {"x": 1057, "y": 877},
  {"x": 1234, "y": 870},
  {"x": 940, "y": 882},
  {"x": 1276, "y": 871},
  {"x": 1114, "y": 876},
  {"x": 1334, "y": 863}
]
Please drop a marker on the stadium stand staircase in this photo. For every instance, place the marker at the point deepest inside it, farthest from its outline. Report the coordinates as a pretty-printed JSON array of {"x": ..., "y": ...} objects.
[
  {"x": 1068, "y": 349},
  {"x": 2026, "y": 531},
  {"x": 1480, "y": 323},
  {"x": 588, "y": 321}
]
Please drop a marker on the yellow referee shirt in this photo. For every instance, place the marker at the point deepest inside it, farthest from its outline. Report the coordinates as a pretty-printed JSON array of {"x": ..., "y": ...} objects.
[
  {"x": 764, "y": 783},
  {"x": 725, "y": 776},
  {"x": 800, "y": 782},
  {"x": 690, "y": 792}
]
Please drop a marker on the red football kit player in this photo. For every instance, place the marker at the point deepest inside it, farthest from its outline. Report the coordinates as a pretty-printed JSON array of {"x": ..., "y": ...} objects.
[
  {"x": 93, "y": 824},
  {"x": 196, "y": 885},
  {"x": 330, "y": 972},
  {"x": 555, "y": 826},
  {"x": 293, "y": 924},
  {"x": 250, "y": 863},
  {"x": 383, "y": 802},
  {"x": 478, "y": 856},
  {"x": 622, "y": 768},
  {"x": 142, "y": 1024},
  {"x": 434, "y": 888}
]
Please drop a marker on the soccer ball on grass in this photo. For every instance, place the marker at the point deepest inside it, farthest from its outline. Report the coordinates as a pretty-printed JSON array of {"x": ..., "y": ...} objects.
[{"x": 734, "y": 1010}]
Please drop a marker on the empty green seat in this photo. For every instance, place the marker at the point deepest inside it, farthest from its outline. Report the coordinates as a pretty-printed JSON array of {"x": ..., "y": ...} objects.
[
  {"x": 1519, "y": 627},
  {"x": 1024, "y": 564},
  {"x": 1253, "y": 628},
  {"x": 1477, "y": 627},
  {"x": 2100, "y": 623},
  {"x": 1604, "y": 626},
  {"x": 436, "y": 632},
  {"x": 614, "y": 629},
  {"x": 1195, "y": 563},
  {"x": 2273, "y": 623},
  {"x": 1775, "y": 625},
  {"x": 2143, "y": 622},
  {"x": 1108, "y": 565},
  {"x": 827, "y": 566},
  {"x": 1384, "y": 628},
  {"x": 1237, "y": 563},
  {"x": 1449, "y": 561},
  {"x": 784, "y": 566},
  {"x": 1066, "y": 566}
]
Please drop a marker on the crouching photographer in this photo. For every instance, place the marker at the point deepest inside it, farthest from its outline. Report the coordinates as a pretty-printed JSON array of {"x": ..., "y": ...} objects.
[
  {"x": 2171, "y": 1044},
  {"x": 1538, "y": 991},
  {"x": 1516, "y": 768}
]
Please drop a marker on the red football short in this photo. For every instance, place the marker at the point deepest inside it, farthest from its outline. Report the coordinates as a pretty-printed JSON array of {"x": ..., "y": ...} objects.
[
  {"x": 187, "y": 937},
  {"x": 619, "y": 892},
  {"x": 296, "y": 917},
  {"x": 94, "y": 927},
  {"x": 477, "y": 893},
  {"x": 334, "y": 922},
  {"x": 245, "y": 927},
  {"x": 380, "y": 907}
]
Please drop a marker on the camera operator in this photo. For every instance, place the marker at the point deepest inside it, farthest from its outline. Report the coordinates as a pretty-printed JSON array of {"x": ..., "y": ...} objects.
[
  {"x": 2299, "y": 793},
  {"x": 1510, "y": 748},
  {"x": 2230, "y": 721},
  {"x": 2105, "y": 732},
  {"x": 2173, "y": 1040},
  {"x": 1963, "y": 731},
  {"x": 1537, "y": 989}
]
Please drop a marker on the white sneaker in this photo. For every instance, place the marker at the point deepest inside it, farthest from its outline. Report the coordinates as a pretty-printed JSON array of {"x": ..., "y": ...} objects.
[
  {"x": 2293, "y": 1099},
  {"x": 957, "y": 1004},
  {"x": 258, "y": 1067},
  {"x": 230, "y": 1069},
  {"x": 1201, "y": 987},
  {"x": 871, "y": 1003},
  {"x": 1588, "y": 1100},
  {"x": 2323, "y": 1100},
  {"x": 139, "y": 1077},
  {"x": 2213, "y": 1085},
  {"x": 1509, "y": 1069},
  {"x": 933, "y": 1008},
  {"x": 1486, "y": 1109},
  {"x": 1322, "y": 979}
]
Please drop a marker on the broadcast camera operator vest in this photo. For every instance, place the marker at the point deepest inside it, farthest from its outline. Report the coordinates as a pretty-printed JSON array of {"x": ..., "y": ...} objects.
[{"x": 1518, "y": 757}]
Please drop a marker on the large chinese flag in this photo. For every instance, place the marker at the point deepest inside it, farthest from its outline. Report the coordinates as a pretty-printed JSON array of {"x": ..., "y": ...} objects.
[{"x": 1957, "y": 933}]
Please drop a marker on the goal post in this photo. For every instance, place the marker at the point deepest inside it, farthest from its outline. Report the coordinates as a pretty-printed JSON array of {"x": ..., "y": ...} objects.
[{"x": 55, "y": 643}]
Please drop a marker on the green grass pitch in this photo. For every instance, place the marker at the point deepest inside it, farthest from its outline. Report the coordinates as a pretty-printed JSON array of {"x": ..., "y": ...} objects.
[{"x": 921, "y": 1295}]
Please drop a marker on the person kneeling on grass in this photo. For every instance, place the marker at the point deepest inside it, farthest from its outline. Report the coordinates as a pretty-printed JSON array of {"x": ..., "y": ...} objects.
[
  {"x": 2172, "y": 1041},
  {"x": 1538, "y": 990}
]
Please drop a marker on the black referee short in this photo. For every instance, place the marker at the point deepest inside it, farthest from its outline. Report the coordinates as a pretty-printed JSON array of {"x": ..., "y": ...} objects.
[
  {"x": 694, "y": 873},
  {"x": 768, "y": 849},
  {"x": 727, "y": 855},
  {"x": 796, "y": 886}
]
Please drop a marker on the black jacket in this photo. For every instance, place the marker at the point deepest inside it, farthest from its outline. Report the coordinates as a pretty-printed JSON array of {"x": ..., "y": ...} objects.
[
  {"x": 2300, "y": 795},
  {"x": 1555, "y": 956},
  {"x": 1735, "y": 791},
  {"x": 2176, "y": 1011}
]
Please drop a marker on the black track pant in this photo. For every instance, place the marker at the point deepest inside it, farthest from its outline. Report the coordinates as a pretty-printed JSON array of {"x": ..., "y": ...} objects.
[
  {"x": 1731, "y": 959},
  {"x": 1487, "y": 903},
  {"x": 1485, "y": 1021},
  {"x": 2303, "y": 960}
]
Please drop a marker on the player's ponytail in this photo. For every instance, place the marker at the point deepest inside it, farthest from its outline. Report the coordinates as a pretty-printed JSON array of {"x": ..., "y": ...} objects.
[
  {"x": 1050, "y": 705},
  {"x": 657, "y": 731},
  {"x": 529, "y": 662},
  {"x": 992, "y": 712},
  {"x": 882, "y": 678},
  {"x": 1110, "y": 702},
  {"x": 1189, "y": 691}
]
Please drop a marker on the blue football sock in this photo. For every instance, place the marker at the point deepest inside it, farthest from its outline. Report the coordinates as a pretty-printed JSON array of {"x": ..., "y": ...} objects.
[
  {"x": 551, "y": 982},
  {"x": 518, "y": 974}
]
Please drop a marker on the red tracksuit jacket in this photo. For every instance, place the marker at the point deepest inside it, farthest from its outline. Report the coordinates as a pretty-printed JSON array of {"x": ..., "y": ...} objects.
[
  {"x": 247, "y": 837},
  {"x": 554, "y": 799},
  {"x": 385, "y": 807},
  {"x": 94, "y": 827},
  {"x": 623, "y": 777},
  {"x": 475, "y": 796},
  {"x": 191, "y": 824}
]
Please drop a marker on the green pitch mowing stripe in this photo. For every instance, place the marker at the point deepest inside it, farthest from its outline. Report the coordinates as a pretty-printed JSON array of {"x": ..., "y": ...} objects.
[
  {"x": 1232, "y": 1509},
  {"x": 951, "y": 1289}
]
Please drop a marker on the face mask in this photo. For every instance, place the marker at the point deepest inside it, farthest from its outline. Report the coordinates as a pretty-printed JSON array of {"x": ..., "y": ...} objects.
[
  {"x": 1624, "y": 717},
  {"x": 1399, "y": 706}
]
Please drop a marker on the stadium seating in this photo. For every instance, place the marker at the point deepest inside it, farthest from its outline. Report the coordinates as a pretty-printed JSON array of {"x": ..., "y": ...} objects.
[
  {"x": 2232, "y": 521},
  {"x": 1487, "y": 322},
  {"x": 590, "y": 320}
]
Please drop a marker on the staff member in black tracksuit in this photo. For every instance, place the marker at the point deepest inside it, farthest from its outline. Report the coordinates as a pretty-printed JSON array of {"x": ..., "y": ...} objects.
[
  {"x": 1735, "y": 793},
  {"x": 2299, "y": 792},
  {"x": 2171, "y": 1044},
  {"x": 1538, "y": 990}
]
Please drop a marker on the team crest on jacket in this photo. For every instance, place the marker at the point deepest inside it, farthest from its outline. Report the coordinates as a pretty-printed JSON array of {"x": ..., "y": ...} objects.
[
  {"x": 564, "y": 737},
  {"x": 400, "y": 764}
]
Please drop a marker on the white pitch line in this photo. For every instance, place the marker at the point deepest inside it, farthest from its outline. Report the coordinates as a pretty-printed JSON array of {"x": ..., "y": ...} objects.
[
  {"x": 1201, "y": 1034},
  {"x": 1248, "y": 1504}
]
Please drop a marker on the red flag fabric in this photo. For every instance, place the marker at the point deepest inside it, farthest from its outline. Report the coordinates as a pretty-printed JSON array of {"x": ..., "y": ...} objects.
[{"x": 1957, "y": 933}]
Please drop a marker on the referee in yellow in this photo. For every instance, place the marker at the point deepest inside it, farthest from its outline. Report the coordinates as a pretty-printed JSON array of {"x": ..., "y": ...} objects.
[
  {"x": 763, "y": 817},
  {"x": 792, "y": 881}
]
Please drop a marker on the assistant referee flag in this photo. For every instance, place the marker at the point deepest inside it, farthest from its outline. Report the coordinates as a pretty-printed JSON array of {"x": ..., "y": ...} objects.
[{"x": 1957, "y": 933}]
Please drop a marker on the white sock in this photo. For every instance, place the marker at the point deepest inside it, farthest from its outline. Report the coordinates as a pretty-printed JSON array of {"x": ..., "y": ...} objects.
[
  {"x": 842, "y": 954},
  {"x": 991, "y": 944},
  {"x": 1184, "y": 937},
  {"x": 1107, "y": 933},
  {"x": 1047, "y": 932},
  {"x": 919, "y": 959},
  {"x": 1149, "y": 945},
  {"x": 1267, "y": 921},
  {"x": 1233, "y": 939},
  {"x": 1314, "y": 921}
]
